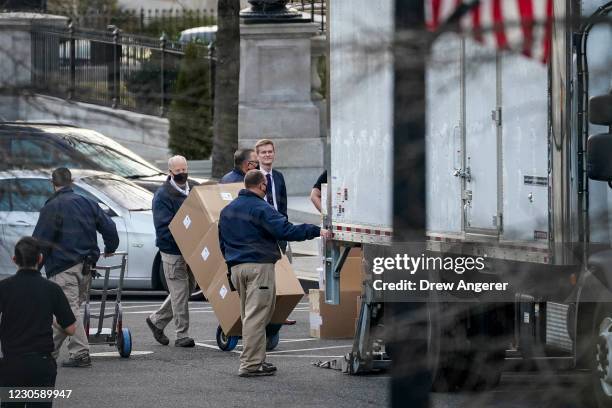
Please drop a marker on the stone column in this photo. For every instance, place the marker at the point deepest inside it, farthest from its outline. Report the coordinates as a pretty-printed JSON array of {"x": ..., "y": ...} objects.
[
  {"x": 16, "y": 46},
  {"x": 275, "y": 99}
]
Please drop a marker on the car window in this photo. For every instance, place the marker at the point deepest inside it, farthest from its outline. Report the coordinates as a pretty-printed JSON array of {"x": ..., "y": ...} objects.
[
  {"x": 123, "y": 192},
  {"x": 33, "y": 153},
  {"x": 113, "y": 161},
  {"x": 80, "y": 191},
  {"x": 5, "y": 196},
  {"x": 30, "y": 195}
]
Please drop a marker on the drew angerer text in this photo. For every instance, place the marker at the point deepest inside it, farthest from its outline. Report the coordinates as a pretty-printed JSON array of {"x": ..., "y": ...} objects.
[{"x": 425, "y": 285}]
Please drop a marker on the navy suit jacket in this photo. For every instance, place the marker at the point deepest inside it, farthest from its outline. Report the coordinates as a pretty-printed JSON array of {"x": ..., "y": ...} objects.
[{"x": 281, "y": 192}]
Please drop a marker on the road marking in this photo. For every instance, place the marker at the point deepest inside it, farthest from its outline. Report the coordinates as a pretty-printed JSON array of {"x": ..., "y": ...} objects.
[
  {"x": 153, "y": 311},
  {"x": 116, "y": 353},
  {"x": 302, "y": 356},
  {"x": 214, "y": 347},
  {"x": 310, "y": 349}
]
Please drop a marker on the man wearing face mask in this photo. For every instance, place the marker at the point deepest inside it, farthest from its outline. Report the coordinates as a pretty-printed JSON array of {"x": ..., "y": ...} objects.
[
  {"x": 166, "y": 203},
  {"x": 249, "y": 232}
]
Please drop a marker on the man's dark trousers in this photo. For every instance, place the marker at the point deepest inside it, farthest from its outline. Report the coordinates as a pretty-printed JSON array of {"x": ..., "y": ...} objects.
[{"x": 32, "y": 370}]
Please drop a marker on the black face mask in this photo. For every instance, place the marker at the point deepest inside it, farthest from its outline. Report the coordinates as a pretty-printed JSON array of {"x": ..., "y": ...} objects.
[{"x": 180, "y": 178}]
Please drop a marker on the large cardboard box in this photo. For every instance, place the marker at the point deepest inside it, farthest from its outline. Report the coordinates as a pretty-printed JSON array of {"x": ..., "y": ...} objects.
[
  {"x": 207, "y": 258},
  {"x": 351, "y": 274},
  {"x": 289, "y": 291},
  {"x": 333, "y": 321},
  {"x": 199, "y": 212},
  {"x": 226, "y": 304}
]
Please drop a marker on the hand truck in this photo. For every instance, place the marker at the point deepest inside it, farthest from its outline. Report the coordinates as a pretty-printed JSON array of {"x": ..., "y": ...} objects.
[{"x": 116, "y": 335}]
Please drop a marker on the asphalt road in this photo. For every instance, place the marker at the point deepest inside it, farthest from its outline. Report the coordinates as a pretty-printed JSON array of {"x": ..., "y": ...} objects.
[{"x": 165, "y": 376}]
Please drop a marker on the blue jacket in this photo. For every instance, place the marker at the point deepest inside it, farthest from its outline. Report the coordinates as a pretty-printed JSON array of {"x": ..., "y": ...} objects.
[
  {"x": 234, "y": 176},
  {"x": 249, "y": 231},
  {"x": 67, "y": 228},
  {"x": 166, "y": 203}
]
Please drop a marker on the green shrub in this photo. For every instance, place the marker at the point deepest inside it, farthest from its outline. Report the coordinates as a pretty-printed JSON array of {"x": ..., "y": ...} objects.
[{"x": 190, "y": 111}]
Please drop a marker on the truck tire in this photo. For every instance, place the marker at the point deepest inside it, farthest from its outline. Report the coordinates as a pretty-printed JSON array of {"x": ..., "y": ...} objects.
[{"x": 601, "y": 347}]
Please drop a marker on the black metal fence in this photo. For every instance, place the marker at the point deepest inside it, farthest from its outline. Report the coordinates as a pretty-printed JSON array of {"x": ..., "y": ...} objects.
[
  {"x": 107, "y": 67},
  {"x": 317, "y": 9},
  {"x": 146, "y": 21}
]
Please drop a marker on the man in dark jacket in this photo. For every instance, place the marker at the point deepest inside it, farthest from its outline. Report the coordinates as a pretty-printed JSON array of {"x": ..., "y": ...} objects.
[
  {"x": 28, "y": 303},
  {"x": 67, "y": 229},
  {"x": 244, "y": 160},
  {"x": 166, "y": 203},
  {"x": 249, "y": 231}
]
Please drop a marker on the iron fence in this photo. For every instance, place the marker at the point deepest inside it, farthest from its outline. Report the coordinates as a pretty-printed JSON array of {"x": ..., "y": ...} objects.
[
  {"x": 108, "y": 68},
  {"x": 147, "y": 21},
  {"x": 317, "y": 9}
]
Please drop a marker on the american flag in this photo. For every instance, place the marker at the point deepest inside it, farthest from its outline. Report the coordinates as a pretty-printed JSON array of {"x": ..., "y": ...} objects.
[{"x": 520, "y": 25}]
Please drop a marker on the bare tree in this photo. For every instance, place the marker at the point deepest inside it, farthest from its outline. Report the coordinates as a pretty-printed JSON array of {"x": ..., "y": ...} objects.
[{"x": 225, "y": 123}]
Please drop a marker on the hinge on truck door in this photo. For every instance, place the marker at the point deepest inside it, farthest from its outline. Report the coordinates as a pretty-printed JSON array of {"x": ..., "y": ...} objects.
[
  {"x": 496, "y": 115},
  {"x": 498, "y": 221}
]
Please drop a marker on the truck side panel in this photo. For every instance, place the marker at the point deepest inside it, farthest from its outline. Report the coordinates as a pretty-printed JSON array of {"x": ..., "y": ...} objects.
[
  {"x": 443, "y": 141},
  {"x": 361, "y": 94},
  {"x": 524, "y": 87}
]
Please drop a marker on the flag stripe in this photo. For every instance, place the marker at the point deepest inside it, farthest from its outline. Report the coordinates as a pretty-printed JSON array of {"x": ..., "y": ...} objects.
[
  {"x": 521, "y": 25},
  {"x": 498, "y": 24}
]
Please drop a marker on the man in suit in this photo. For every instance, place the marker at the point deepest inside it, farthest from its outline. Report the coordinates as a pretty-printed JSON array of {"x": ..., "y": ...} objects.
[{"x": 276, "y": 195}]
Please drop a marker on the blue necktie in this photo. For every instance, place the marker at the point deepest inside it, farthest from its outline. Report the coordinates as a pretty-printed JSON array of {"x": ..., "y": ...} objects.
[{"x": 269, "y": 197}]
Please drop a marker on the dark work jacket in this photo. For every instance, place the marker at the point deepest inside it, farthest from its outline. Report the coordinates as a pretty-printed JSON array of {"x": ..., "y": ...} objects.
[
  {"x": 67, "y": 229},
  {"x": 234, "y": 176},
  {"x": 166, "y": 203},
  {"x": 250, "y": 228}
]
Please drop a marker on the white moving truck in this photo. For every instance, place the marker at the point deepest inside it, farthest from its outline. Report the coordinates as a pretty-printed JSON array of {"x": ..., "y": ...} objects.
[{"x": 507, "y": 145}]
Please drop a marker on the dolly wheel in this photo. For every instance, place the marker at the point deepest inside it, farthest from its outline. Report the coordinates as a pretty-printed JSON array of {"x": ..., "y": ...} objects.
[
  {"x": 272, "y": 341},
  {"x": 226, "y": 343},
  {"x": 124, "y": 342}
]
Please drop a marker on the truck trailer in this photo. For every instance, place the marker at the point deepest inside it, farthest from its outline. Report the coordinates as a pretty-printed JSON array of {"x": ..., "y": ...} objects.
[{"x": 517, "y": 170}]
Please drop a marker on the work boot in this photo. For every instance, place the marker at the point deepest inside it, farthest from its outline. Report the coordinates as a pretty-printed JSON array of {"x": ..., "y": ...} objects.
[
  {"x": 184, "y": 342},
  {"x": 260, "y": 372},
  {"x": 268, "y": 367},
  {"x": 158, "y": 333},
  {"x": 77, "y": 362}
]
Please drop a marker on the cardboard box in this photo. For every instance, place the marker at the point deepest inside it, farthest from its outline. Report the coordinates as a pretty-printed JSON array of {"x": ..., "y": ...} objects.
[
  {"x": 207, "y": 258},
  {"x": 289, "y": 291},
  {"x": 226, "y": 304},
  {"x": 333, "y": 321},
  {"x": 351, "y": 274},
  {"x": 199, "y": 212}
]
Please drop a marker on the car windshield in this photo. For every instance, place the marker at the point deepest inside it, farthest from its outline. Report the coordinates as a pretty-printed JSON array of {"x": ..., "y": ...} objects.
[
  {"x": 126, "y": 194},
  {"x": 114, "y": 161}
]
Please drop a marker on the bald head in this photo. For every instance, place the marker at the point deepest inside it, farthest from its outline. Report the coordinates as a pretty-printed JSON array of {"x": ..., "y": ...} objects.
[{"x": 255, "y": 182}]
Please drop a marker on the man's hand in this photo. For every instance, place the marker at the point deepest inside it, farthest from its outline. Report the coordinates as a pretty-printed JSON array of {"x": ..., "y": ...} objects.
[
  {"x": 107, "y": 254},
  {"x": 327, "y": 234}
]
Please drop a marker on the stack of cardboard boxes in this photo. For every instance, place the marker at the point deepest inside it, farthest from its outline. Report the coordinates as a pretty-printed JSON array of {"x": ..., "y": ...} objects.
[
  {"x": 195, "y": 230},
  {"x": 338, "y": 321}
]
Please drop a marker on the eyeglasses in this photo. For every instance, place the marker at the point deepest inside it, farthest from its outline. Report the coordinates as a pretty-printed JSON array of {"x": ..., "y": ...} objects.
[{"x": 253, "y": 163}]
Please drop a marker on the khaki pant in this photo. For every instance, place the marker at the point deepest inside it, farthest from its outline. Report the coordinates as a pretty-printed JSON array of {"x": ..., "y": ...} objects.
[
  {"x": 257, "y": 288},
  {"x": 181, "y": 284},
  {"x": 75, "y": 286}
]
